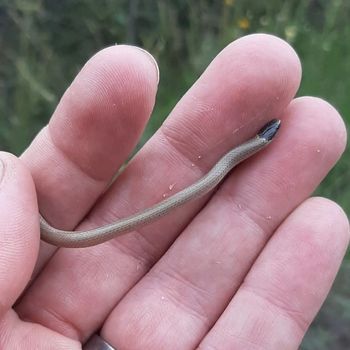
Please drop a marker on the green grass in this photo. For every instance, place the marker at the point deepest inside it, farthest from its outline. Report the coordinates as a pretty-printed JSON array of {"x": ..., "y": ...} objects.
[{"x": 44, "y": 43}]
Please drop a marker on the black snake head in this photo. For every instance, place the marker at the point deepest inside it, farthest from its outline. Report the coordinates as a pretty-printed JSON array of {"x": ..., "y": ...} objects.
[{"x": 269, "y": 130}]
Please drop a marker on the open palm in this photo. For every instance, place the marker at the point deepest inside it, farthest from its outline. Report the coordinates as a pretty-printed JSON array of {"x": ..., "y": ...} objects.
[{"x": 246, "y": 267}]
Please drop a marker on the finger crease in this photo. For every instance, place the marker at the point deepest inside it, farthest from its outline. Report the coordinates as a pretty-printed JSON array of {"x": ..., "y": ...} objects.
[
  {"x": 296, "y": 316},
  {"x": 189, "y": 296},
  {"x": 62, "y": 324},
  {"x": 174, "y": 144},
  {"x": 72, "y": 162},
  {"x": 247, "y": 214},
  {"x": 142, "y": 252}
]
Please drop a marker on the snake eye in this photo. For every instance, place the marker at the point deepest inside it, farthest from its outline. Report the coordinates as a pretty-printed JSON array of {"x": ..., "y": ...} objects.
[{"x": 269, "y": 130}]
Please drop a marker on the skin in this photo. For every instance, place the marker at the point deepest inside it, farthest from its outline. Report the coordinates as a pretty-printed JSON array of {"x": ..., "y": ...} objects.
[{"x": 247, "y": 267}]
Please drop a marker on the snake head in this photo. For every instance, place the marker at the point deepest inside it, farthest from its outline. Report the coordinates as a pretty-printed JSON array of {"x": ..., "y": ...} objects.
[{"x": 269, "y": 130}]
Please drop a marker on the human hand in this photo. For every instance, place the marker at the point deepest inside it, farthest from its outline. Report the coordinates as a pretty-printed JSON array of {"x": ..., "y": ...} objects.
[{"x": 247, "y": 268}]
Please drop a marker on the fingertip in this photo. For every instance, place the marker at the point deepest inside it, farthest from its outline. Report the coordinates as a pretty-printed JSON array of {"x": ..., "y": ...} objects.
[
  {"x": 152, "y": 59},
  {"x": 337, "y": 127},
  {"x": 105, "y": 108},
  {"x": 319, "y": 230},
  {"x": 323, "y": 211},
  {"x": 119, "y": 81},
  {"x": 127, "y": 63},
  {"x": 283, "y": 50},
  {"x": 268, "y": 63},
  {"x": 251, "y": 81},
  {"x": 322, "y": 125},
  {"x": 15, "y": 171}
]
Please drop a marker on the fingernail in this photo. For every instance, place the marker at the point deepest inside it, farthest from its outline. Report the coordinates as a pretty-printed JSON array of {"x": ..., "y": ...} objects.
[
  {"x": 152, "y": 59},
  {"x": 2, "y": 169}
]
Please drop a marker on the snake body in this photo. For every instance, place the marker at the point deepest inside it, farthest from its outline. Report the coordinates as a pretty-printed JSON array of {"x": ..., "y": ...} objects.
[{"x": 79, "y": 239}]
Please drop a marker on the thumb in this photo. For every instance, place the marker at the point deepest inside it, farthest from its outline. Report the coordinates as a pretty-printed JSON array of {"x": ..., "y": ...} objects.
[{"x": 19, "y": 229}]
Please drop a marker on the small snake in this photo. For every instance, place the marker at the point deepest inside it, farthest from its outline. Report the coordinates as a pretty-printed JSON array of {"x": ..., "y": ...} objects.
[{"x": 79, "y": 239}]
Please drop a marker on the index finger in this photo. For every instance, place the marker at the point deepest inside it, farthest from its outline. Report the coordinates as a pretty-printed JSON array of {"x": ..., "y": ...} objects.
[{"x": 92, "y": 131}]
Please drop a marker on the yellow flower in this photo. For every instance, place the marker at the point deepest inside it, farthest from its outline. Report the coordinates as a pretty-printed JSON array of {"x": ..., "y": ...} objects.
[
  {"x": 290, "y": 32},
  {"x": 244, "y": 23},
  {"x": 229, "y": 2}
]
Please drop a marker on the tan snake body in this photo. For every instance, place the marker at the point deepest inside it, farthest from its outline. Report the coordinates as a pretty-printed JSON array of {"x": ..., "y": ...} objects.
[{"x": 78, "y": 239}]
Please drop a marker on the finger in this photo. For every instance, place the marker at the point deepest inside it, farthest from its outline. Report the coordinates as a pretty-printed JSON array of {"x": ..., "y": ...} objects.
[
  {"x": 197, "y": 277},
  {"x": 288, "y": 283},
  {"x": 19, "y": 229},
  {"x": 95, "y": 126},
  {"x": 228, "y": 97},
  {"x": 19, "y": 240}
]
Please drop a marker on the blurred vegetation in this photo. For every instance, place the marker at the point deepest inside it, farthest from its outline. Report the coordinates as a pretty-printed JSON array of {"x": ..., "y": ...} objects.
[{"x": 45, "y": 43}]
